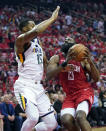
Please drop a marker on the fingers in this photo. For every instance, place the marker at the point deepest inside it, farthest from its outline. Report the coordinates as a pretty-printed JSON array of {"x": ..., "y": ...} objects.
[
  {"x": 58, "y": 8},
  {"x": 70, "y": 50},
  {"x": 84, "y": 57},
  {"x": 70, "y": 58},
  {"x": 55, "y": 13},
  {"x": 72, "y": 53},
  {"x": 87, "y": 50},
  {"x": 87, "y": 53}
]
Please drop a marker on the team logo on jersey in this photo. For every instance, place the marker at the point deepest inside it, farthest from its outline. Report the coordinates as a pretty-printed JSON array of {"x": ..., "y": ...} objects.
[
  {"x": 74, "y": 67},
  {"x": 71, "y": 70},
  {"x": 37, "y": 49}
]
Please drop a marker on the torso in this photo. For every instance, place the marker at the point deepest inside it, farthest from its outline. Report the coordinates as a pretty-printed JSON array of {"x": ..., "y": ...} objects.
[
  {"x": 30, "y": 62},
  {"x": 73, "y": 80}
]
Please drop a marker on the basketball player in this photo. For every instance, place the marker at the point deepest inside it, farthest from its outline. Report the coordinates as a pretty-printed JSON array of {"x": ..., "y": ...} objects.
[
  {"x": 28, "y": 88},
  {"x": 79, "y": 94}
]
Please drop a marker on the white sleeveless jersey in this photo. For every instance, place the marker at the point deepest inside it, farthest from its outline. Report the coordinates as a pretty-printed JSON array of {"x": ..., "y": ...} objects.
[{"x": 32, "y": 66}]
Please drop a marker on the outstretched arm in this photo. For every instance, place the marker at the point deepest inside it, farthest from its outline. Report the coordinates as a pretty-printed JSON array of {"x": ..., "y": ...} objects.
[
  {"x": 53, "y": 67},
  {"x": 26, "y": 37}
]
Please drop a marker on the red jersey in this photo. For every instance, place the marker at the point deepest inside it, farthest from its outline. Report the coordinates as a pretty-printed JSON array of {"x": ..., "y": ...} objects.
[{"x": 73, "y": 81}]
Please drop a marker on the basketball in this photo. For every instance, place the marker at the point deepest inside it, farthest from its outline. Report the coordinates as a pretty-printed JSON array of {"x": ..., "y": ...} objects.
[{"x": 80, "y": 51}]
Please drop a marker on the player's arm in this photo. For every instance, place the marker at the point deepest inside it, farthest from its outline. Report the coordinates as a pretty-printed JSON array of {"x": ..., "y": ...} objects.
[
  {"x": 94, "y": 71},
  {"x": 53, "y": 67},
  {"x": 26, "y": 37},
  {"x": 91, "y": 69}
]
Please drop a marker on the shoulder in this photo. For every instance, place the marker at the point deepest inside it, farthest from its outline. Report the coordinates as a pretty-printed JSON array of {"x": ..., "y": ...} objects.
[
  {"x": 19, "y": 38},
  {"x": 19, "y": 44},
  {"x": 54, "y": 59},
  {"x": 20, "y": 41}
]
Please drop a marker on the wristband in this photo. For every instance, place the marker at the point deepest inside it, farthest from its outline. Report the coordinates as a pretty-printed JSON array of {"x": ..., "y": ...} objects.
[{"x": 64, "y": 64}]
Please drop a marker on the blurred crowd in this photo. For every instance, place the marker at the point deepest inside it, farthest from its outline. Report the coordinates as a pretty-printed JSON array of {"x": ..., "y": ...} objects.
[{"x": 83, "y": 22}]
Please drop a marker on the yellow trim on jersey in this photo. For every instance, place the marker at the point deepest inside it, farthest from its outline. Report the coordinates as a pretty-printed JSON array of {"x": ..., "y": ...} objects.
[
  {"x": 21, "y": 58},
  {"x": 23, "y": 102},
  {"x": 34, "y": 50}
]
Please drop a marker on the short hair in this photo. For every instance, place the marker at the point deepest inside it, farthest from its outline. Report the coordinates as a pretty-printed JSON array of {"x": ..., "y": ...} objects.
[{"x": 23, "y": 23}]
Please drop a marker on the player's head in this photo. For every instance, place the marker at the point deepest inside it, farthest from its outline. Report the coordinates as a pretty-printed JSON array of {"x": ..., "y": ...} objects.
[
  {"x": 69, "y": 42},
  {"x": 26, "y": 25}
]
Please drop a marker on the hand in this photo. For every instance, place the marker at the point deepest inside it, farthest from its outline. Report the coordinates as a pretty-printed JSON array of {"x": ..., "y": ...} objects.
[
  {"x": 11, "y": 118},
  {"x": 69, "y": 68},
  {"x": 72, "y": 67},
  {"x": 71, "y": 55},
  {"x": 55, "y": 13},
  {"x": 68, "y": 58},
  {"x": 87, "y": 55}
]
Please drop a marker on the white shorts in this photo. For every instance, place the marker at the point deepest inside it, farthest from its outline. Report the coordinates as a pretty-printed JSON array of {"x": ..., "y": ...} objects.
[
  {"x": 27, "y": 91},
  {"x": 83, "y": 106}
]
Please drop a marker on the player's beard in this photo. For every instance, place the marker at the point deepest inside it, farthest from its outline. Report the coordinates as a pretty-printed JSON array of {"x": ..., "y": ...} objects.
[{"x": 65, "y": 47}]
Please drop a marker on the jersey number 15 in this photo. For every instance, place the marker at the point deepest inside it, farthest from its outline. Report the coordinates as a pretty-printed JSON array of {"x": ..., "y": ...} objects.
[{"x": 39, "y": 58}]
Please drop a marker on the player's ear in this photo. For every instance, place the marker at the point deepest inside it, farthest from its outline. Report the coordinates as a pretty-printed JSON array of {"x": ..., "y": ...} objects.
[{"x": 24, "y": 29}]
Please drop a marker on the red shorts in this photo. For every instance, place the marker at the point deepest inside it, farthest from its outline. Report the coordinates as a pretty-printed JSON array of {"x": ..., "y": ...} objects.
[{"x": 73, "y": 99}]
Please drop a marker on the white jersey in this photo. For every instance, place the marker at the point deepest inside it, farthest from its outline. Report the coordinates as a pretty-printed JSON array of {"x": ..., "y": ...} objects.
[{"x": 32, "y": 65}]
